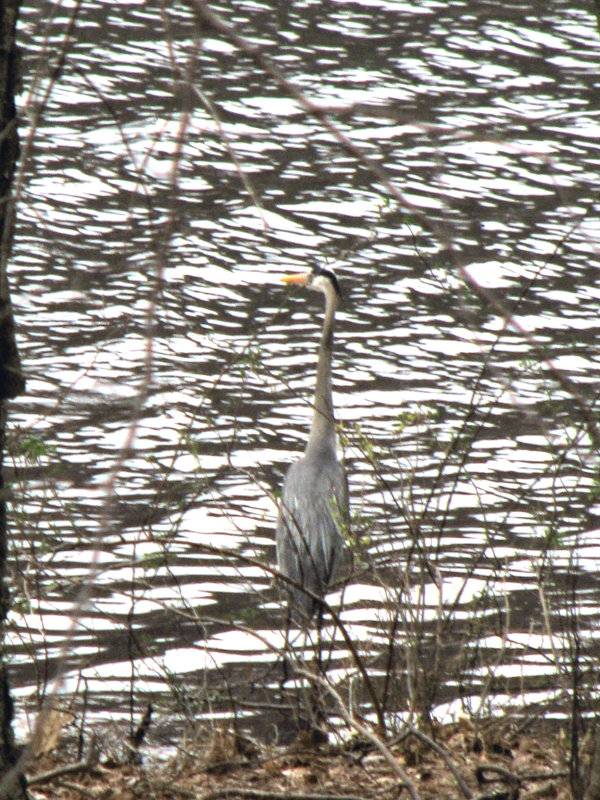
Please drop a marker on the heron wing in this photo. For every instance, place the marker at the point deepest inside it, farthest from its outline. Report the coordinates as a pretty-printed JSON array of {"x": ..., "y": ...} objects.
[{"x": 313, "y": 509}]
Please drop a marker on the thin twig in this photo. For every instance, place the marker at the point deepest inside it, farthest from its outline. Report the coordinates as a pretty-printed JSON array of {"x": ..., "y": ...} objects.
[
  {"x": 76, "y": 787},
  {"x": 505, "y": 774},
  {"x": 164, "y": 786},
  {"x": 68, "y": 769},
  {"x": 365, "y": 733},
  {"x": 260, "y": 794},
  {"x": 446, "y": 758},
  {"x": 209, "y": 19},
  {"x": 213, "y": 21},
  {"x": 545, "y": 776}
]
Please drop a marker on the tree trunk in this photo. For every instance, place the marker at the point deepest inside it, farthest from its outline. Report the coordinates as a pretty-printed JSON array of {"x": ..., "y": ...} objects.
[{"x": 12, "y": 785}]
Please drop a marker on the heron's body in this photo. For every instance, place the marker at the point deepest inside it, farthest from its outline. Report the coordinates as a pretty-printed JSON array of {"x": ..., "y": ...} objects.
[{"x": 314, "y": 499}]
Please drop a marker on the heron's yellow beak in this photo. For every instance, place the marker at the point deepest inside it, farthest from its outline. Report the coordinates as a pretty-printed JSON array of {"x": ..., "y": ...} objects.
[{"x": 298, "y": 278}]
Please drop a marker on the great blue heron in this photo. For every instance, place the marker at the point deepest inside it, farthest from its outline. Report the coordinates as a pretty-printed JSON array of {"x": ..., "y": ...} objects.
[{"x": 314, "y": 499}]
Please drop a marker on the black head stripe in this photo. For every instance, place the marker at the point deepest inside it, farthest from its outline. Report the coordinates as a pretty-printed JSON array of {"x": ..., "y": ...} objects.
[{"x": 330, "y": 275}]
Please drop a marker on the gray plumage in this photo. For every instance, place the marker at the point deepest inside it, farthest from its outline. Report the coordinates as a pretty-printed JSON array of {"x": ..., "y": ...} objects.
[{"x": 313, "y": 510}]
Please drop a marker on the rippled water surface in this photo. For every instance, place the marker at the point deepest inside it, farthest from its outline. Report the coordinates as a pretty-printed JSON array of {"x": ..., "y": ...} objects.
[{"x": 167, "y": 183}]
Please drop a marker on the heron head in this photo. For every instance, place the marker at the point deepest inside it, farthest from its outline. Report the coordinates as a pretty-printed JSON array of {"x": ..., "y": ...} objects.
[{"x": 319, "y": 278}]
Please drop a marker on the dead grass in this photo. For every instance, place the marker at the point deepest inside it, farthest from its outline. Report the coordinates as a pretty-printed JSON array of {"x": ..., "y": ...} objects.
[{"x": 492, "y": 763}]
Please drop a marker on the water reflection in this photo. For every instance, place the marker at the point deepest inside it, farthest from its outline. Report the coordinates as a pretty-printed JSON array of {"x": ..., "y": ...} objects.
[{"x": 150, "y": 318}]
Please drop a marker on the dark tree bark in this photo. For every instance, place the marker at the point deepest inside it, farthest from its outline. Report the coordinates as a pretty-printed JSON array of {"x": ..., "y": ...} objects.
[{"x": 12, "y": 785}]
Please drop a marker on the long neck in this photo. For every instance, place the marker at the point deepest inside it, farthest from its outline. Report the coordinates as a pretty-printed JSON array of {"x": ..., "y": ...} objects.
[{"x": 322, "y": 431}]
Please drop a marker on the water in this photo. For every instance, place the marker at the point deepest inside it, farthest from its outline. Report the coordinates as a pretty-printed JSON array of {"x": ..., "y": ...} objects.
[{"x": 170, "y": 374}]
